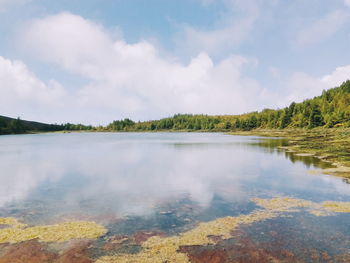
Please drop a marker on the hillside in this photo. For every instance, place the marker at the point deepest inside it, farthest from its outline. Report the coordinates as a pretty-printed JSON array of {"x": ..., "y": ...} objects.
[
  {"x": 16, "y": 126},
  {"x": 331, "y": 109}
]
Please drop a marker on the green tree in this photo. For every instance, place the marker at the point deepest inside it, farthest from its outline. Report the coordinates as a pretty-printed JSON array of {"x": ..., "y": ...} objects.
[
  {"x": 315, "y": 118},
  {"x": 16, "y": 126}
]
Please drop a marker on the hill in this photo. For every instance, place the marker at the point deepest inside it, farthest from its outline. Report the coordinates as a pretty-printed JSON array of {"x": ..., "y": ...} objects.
[
  {"x": 331, "y": 109},
  {"x": 15, "y": 126}
]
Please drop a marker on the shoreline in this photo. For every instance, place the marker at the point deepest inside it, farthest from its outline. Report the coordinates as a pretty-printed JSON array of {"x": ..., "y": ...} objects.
[{"x": 329, "y": 145}]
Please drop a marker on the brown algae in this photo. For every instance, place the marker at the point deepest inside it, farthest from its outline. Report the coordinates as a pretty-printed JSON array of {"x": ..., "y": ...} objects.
[{"x": 17, "y": 232}]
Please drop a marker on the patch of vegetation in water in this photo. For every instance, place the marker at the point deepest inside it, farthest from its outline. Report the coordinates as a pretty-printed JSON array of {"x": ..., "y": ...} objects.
[
  {"x": 338, "y": 207},
  {"x": 166, "y": 249},
  {"x": 153, "y": 246},
  {"x": 17, "y": 232}
]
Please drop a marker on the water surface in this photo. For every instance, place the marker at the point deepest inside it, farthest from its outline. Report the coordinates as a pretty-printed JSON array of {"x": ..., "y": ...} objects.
[{"x": 168, "y": 183}]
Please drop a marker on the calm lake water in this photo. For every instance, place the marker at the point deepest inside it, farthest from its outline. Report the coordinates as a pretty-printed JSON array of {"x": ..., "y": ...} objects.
[{"x": 169, "y": 182}]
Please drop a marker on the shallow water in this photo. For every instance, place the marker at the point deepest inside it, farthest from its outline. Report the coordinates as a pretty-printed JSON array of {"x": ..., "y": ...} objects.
[{"x": 165, "y": 184}]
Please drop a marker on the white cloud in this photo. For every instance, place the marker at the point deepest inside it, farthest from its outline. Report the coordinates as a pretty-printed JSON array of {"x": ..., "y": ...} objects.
[
  {"x": 230, "y": 29},
  {"x": 337, "y": 77},
  {"x": 133, "y": 79},
  {"x": 347, "y": 2},
  {"x": 322, "y": 29},
  {"x": 72, "y": 42},
  {"x": 300, "y": 86},
  {"x": 22, "y": 91}
]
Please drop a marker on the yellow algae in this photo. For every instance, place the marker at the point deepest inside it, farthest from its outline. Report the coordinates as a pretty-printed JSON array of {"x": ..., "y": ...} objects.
[
  {"x": 220, "y": 227},
  {"x": 282, "y": 204},
  {"x": 13, "y": 222},
  {"x": 158, "y": 250},
  {"x": 338, "y": 207},
  {"x": 51, "y": 233},
  {"x": 145, "y": 257},
  {"x": 8, "y": 221},
  {"x": 319, "y": 212},
  {"x": 286, "y": 204}
]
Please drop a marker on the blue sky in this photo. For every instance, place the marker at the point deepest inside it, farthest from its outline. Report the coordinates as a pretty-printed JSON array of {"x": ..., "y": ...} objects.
[{"x": 95, "y": 61}]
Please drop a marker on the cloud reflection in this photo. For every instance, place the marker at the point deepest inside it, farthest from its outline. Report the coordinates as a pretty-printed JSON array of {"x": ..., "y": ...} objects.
[{"x": 133, "y": 173}]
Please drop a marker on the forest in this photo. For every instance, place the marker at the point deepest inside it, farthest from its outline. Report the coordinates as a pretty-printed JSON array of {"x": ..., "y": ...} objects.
[
  {"x": 330, "y": 109},
  {"x": 18, "y": 126}
]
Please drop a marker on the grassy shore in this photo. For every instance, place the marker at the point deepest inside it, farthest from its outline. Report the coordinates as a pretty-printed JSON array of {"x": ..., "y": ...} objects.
[{"x": 329, "y": 145}]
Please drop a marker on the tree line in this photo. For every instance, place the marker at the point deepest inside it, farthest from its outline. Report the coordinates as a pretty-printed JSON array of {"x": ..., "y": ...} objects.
[
  {"x": 18, "y": 126},
  {"x": 331, "y": 109}
]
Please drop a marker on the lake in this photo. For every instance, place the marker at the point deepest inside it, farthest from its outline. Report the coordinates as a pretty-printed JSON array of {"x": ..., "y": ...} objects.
[{"x": 167, "y": 197}]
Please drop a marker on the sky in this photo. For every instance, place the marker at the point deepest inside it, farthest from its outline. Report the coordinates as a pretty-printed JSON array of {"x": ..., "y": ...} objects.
[{"x": 95, "y": 61}]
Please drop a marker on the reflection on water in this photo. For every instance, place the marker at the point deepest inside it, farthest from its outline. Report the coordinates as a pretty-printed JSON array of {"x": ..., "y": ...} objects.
[
  {"x": 139, "y": 183},
  {"x": 275, "y": 145}
]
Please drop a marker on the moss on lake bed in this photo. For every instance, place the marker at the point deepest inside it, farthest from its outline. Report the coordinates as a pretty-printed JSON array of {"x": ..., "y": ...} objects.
[
  {"x": 17, "y": 232},
  {"x": 158, "y": 249}
]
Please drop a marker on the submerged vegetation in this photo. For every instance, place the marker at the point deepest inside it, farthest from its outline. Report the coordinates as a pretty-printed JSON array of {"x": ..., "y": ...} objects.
[
  {"x": 159, "y": 249},
  {"x": 168, "y": 249},
  {"x": 339, "y": 207},
  {"x": 153, "y": 247},
  {"x": 15, "y": 231}
]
